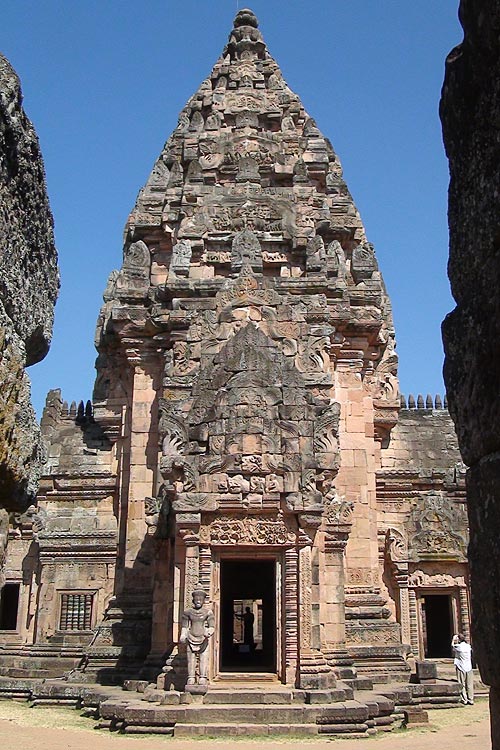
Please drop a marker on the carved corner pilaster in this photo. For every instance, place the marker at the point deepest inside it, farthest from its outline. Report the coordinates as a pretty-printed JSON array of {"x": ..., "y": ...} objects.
[{"x": 337, "y": 523}]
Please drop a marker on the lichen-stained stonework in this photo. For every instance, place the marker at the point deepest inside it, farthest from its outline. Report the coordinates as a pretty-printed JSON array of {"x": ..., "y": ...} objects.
[
  {"x": 469, "y": 112},
  {"x": 28, "y": 289},
  {"x": 29, "y": 284},
  {"x": 245, "y": 397}
]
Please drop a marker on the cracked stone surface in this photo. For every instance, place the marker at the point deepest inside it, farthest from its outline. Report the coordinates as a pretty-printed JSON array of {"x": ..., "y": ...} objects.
[{"x": 29, "y": 284}]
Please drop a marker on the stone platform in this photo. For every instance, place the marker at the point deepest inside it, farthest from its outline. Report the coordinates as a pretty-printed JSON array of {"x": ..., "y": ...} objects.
[{"x": 234, "y": 709}]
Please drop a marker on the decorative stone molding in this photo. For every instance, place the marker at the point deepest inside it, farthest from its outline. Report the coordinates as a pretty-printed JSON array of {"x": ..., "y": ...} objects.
[
  {"x": 226, "y": 531},
  {"x": 420, "y": 579}
]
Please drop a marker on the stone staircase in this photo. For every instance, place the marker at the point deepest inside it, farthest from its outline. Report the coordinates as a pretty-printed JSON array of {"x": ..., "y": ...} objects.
[
  {"x": 45, "y": 661},
  {"x": 231, "y": 709},
  {"x": 446, "y": 673},
  {"x": 238, "y": 707}
]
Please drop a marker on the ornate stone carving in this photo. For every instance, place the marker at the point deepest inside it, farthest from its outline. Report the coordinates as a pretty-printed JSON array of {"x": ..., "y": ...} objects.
[
  {"x": 243, "y": 531},
  {"x": 137, "y": 257},
  {"x": 183, "y": 362},
  {"x": 246, "y": 250},
  {"x": 191, "y": 576},
  {"x": 181, "y": 258},
  {"x": 315, "y": 254},
  {"x": 326, "y": 428},
  {"x": 152, "y": 509},
  {"x": 172, "y": 429},
  {"x": 338, "y": 511},
  {"x": 373, "y": 635},
  {"x": 4, "y": 532},
  {"x": 437, "y": 527},
  {"x": 396, "y": 545},
  {"x": 383, "y": 384},
  {"x": 305, "y": 597},
  {"x": 363, "y": 262},
  {"x": 335, "y": 260},
  {"x": 420, "y": 579}
]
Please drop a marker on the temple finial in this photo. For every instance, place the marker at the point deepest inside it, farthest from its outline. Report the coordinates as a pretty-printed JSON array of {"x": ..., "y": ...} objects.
[{"x": 246, "y": 17}]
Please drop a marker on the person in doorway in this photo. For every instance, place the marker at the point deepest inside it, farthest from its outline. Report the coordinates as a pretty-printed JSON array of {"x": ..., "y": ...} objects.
[
  {"x": 248, "y": 620},
  {"x": 462, "y": 653}
]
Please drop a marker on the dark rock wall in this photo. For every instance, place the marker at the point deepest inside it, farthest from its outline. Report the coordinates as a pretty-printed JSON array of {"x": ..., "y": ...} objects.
[
  {"x": 470, "y": 113},
  {"x": 29, "y": 284}
]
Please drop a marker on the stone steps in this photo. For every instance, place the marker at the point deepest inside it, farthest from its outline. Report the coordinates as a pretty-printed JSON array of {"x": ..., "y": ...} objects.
[
  {"x": 242, "y": 710},
  {"x": 446, "y": 672},
  {"x": 38, "y": 663},
  {"x": 249, "y": 696},
  {"x": 226, "y": 719},
  {"x": 244, "y": 730},
  {"x": 247, "y": 678}
]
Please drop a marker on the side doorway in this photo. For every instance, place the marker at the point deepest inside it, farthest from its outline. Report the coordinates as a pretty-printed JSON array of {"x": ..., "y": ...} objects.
[{"x": 437, "y": 625}]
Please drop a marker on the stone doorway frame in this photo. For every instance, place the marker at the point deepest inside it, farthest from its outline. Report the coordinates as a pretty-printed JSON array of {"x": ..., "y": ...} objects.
[
  {"x": 239, "y": 554},
  {"x": 427, "y": 580},
  {"x": 421, "y": 593},
  {"x": 453, "y": 604}
]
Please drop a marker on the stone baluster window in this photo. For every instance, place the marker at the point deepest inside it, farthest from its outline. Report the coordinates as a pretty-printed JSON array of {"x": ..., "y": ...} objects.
[{"x": 76, "y": 611}]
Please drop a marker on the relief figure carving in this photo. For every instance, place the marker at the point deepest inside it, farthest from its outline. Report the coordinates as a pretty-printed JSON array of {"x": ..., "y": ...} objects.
[
  {"x": 181, "y": 257},
  {"x": 198, "y": 626}
]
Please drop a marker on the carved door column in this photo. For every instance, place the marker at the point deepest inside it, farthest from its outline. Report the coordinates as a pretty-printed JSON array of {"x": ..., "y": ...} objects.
[
  {"x": 188, "y": 526},
  {"x": 337, "y": 526},
  {"x": 404, "y": 605},
  {"x": 395, "y": 550},
  {"x": 412, "y": 606},
  {"x": 305, "y": 598},
  {"x": 205, "y": 567},
  {"x": 464, "y": 612},
  {"x": 291, "y": 630}
]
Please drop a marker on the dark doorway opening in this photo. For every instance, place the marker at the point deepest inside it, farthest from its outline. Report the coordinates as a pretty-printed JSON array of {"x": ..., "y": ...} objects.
[
  {"x": 248, "y": 616},
  {"x": 9, "y": 605},
  {"x": 437, "y": 619}
]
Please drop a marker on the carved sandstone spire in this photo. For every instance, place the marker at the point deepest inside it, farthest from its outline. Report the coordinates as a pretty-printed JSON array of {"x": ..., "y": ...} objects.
[
  {"x": 247, "y": 180},
  {"x": 246, "y": 155}
]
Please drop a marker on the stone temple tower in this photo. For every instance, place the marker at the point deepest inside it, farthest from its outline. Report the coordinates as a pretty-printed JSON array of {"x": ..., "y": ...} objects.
[
  {"x": 247, "y": 371},
  {"x": 246, "y": 435}
]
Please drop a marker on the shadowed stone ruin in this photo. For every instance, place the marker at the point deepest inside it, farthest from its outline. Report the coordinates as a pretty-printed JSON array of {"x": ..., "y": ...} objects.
[
  {"x": 247, "y": 443},
  {"x": 28, "y": 289},
  {"x": 470, "y": 112}
]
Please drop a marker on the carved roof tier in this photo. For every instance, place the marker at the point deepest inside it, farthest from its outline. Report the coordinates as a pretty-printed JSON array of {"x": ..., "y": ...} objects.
[
  {"x": 246, "y": 155},
  {"x": 247, "y": 180}
]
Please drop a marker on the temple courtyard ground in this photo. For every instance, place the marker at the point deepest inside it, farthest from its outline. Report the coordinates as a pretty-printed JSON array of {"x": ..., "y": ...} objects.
[{"x": 22, "y": 728}]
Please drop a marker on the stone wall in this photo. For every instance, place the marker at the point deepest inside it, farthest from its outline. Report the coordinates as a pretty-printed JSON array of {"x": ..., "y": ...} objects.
[
  {"x": 74, "y": 524},
  {"x": 423, "y": 438},
  {"x": 28, "y": 289},
  {"x": 422, "y": 521},
  {"x": 470, "y": 113}
]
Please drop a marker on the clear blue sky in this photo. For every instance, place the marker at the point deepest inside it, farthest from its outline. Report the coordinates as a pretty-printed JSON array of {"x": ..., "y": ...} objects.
[{"x": 104, "y": 81}]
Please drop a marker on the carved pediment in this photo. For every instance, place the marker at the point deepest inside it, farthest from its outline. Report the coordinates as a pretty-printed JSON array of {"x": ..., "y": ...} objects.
[
  {"x": 254, "y": 433},
  {"x": 437, "y": 527}
]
